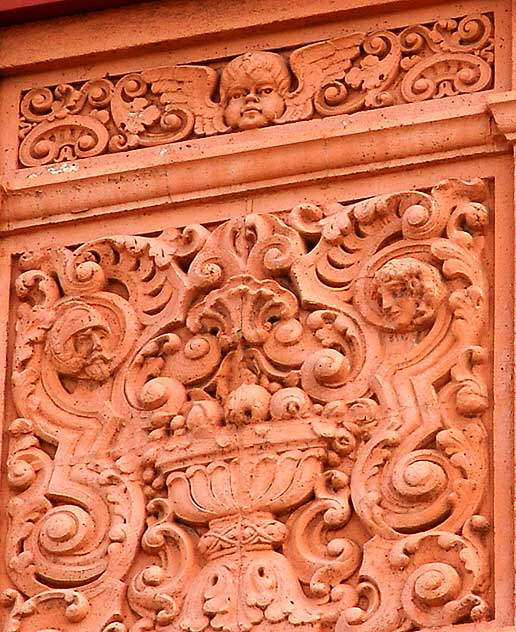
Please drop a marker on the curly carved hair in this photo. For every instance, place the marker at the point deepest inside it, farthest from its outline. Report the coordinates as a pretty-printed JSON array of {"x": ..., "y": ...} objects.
[
  {"x": 422, "y": 280},
  {"x": 255, "y": 64}
]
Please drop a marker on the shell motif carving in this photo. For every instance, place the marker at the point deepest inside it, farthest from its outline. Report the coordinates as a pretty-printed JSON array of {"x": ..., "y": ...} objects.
[
  {"x": 342, "y": 75},
  {"x": 276, "y": 423}
]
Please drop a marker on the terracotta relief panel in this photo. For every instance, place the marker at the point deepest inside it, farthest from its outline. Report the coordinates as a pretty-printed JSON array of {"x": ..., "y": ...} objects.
[
  {"x": 276, "y": 422},
  {"x": 342, "y": 75}
]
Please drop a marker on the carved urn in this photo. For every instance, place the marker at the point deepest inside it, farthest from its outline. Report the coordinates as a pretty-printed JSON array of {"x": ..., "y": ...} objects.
[{"x": 273, "y": 423}]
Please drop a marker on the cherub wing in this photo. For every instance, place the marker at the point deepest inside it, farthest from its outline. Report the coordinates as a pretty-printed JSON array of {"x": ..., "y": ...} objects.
[
  {"x": 189, "y": 88},
  {"x": 316, "y": 65}
]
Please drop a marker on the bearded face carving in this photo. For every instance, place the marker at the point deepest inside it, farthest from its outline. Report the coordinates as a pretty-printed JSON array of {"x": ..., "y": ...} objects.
[
  {"x": 78, "y": 344},
  {"x": 240, "y": 437}
]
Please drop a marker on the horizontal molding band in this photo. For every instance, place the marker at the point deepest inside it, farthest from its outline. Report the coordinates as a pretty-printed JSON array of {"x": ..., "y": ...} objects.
[{"x": 243, "y": 162}]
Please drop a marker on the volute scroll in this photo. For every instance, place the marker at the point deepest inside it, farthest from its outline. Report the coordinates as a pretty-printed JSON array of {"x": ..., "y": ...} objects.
[
  {"x": 278, "y": 422},
  {"x": 348, "y": 73}
]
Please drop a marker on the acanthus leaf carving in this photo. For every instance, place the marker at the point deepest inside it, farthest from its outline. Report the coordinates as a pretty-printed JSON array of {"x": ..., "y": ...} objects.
[
  {"x": 343, "y": 75},
  {"x": 257, "y": 423}
]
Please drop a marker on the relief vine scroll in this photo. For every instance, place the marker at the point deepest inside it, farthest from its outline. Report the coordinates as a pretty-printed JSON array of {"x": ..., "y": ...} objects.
[
  {"x": 277, "y": 423},
  {"x": 343, "y": 75}
]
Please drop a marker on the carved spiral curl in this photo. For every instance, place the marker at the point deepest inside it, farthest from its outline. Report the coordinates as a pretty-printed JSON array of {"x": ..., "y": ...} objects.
[
  {"x": 85, "y": 271},
  {"x": 156, "y": 592},
  {"x": 433, "y": 584},
  {"x": 305, "y": 218},
  {"x": 413, "y": 492},
  {"x": 379, "y": 43},
  {"x": 414, "y": 39},
  {"x": 329, "y": 367},
  {"x": 173, "y": 125},
  {"x": 187, "y": 242},
  {"x": 120, "y": 142},
  {"x": 370, "y": 79},
  {"x": 278, "y": 253},
  {"x": 38, "y": 104},
  {"x": 418, "y": 221},
  {"x": 163, "y": 390},
  {"x": 419, "y": 475},
  {"x": 65, "y": 535},
  {"x": 65, "y": 139},
  {"x": 443, "y": 593},
  {"x": 273, "y": 246},
  {"x": 37, "y": 287},
  {"x": 473, "y": 33},
  {"x": 20, "y": 473},
  {"x": 465, "y": 78},
  {"x": 371, "y": 598},
  {"x": 338, "y": 371},
  {"x": 289, "y": 403},
  {"x": 332, "y": 99},
  {"x": 65, "y": 529},
  {"x": 132, "y": 86},
  {"x": 160, "y": 368},
  {"x": 288, "y": 332},
  {"x": 467, "y": 220},
  {"x": 322, "y": 558},
  {"x": 208, "y": 273},
  {"x": 98, "y": 92}
]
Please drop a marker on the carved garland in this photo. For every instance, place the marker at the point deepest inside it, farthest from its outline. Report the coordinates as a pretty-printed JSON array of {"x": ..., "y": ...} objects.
[
  {"x": 338, "y": 76},
  {"x": 272, "y": 425}
]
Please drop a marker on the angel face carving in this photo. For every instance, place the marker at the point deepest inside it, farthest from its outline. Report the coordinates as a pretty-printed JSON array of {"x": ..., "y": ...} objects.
[
  {"x": 253, "y": 88},
  {"x": 77, "y": 344},
  {"x": 408, "y": 292}
]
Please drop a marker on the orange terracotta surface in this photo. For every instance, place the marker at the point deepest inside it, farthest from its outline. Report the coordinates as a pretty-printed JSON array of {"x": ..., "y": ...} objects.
[
  {"x": 258, "y": 318},
  {"x": 19, "y": 11}
]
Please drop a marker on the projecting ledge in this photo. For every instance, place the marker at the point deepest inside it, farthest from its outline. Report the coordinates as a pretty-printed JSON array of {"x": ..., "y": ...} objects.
[
  {"x": 277, "y": 156},
  {"x": 503, "y": 109}
]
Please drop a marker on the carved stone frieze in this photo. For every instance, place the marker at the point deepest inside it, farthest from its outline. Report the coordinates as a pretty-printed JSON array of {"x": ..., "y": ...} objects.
[
  {"x": 272, "y": 423},
  {"x": 338, "y": 76}
]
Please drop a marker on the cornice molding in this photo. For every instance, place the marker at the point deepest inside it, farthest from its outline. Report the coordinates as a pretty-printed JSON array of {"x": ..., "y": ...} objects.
[
  {"x": 339, "y": 146},
  {"x": 502, "y": 107},
  {"x": 21, "y": 45}
]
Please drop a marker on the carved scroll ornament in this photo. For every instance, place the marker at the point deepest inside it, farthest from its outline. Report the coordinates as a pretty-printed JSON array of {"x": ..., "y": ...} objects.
[
  {"x": 273, "y": 424},
  {"x": 338, "y": 76}
]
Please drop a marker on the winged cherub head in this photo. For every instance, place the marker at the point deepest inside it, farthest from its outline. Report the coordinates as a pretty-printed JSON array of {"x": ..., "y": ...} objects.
[
  {"x": 408, "y": 292},
  {"x": 253, "y": 88}
]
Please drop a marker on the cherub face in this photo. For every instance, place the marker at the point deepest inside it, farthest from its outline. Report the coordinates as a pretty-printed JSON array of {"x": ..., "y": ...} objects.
[{"x": 253, "y": 102}]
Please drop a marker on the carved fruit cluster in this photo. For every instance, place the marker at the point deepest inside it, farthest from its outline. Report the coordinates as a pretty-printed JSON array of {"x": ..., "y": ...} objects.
[{"x": 276, "y": 422}]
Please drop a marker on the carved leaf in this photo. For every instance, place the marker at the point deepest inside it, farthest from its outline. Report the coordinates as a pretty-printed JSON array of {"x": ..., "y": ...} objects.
[{"x": 190, "y": 88}]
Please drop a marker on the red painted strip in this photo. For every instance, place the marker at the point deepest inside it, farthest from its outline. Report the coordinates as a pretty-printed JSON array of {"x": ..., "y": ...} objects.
[{"x": 16, "y": 11}]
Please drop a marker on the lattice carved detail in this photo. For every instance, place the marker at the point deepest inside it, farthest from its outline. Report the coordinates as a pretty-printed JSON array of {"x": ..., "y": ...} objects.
[
  {"x": 343, "y": 75},
  {"x": 272, "y": 424}
]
